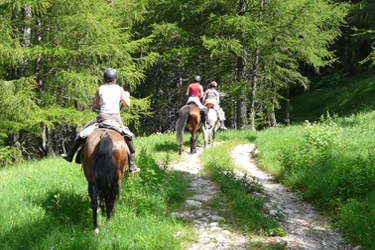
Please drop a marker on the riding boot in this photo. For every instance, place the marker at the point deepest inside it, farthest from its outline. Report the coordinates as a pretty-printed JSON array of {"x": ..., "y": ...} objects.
[
  {"x": 132, "y": 167},
  {"x": 222, "y": 125},
  {"x": 77, "y": 142}
]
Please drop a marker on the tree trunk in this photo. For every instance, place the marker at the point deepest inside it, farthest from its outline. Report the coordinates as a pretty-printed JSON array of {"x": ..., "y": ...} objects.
[
  {"x": 287, "y": 105},
  {"x": 273, "y": 115},
  {"x": 254, "y": 89},
  {"x": 242, "y": 122},
  {"x": 26, "y": 37}
]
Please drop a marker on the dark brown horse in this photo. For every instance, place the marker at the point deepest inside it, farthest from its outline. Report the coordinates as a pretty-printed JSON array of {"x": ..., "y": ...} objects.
[
  {"x": 189, "y": 117},
  {"x": 104, "y": 160}
]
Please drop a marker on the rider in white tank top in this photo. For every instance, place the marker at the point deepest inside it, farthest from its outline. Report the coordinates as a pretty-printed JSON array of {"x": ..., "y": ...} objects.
[{"x": 110, "y": 96}]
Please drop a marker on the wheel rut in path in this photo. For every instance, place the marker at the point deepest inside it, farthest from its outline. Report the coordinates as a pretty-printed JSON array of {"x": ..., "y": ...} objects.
[
  {"x": 307, "y": 228},
  {"x": 213, "y": 231}
]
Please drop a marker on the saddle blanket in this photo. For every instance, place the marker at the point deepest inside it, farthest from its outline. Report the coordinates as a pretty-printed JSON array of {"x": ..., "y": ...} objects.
[{"x": 109, "y": 124}]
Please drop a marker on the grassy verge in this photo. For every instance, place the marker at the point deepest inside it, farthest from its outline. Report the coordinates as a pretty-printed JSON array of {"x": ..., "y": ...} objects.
[
  {"x": 332, "y": 164},
  {"x": 246, "y": 206},
  {"x": 45, "y": 205},
  {"x": 351, "y": 94}
]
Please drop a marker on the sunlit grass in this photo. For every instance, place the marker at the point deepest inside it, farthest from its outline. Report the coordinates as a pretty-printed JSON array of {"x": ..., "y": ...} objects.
[
  {"x": 338, "y": 176},
  {"x": 45, "y": 205}
]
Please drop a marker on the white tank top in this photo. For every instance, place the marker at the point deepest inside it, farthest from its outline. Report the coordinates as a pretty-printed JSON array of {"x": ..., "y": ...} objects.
[{"x": 110, "y": 96}]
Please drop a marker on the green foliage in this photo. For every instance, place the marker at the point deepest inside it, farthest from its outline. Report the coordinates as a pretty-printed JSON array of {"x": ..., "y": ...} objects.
[
  {"x": 357, "y": 220},
  {"x": 327, "y": 163},
  {"x": 53, "y": 55},
  {"x": 10, "y": 155}
]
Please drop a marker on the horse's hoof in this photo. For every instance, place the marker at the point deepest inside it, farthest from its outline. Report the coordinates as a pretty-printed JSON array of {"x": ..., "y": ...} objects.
[{"x": 96, "y": 231}]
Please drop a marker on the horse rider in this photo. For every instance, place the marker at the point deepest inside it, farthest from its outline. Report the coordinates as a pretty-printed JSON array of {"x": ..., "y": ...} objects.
[
  {"x": 107, "y": 101},
  {"x": 212, "y": 96},
  {"x": 195, "y": 92}
]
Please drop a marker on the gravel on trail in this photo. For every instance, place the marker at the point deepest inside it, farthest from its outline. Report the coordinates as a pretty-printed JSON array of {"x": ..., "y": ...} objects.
[{"x": 307, "y": 228}]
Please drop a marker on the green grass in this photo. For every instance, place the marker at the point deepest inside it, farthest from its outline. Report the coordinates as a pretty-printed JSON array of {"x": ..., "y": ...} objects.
[
  {"x": 45, "y": 205},
  {"x": 332, "y": 164},
  {"x": 352, "y": 95}
]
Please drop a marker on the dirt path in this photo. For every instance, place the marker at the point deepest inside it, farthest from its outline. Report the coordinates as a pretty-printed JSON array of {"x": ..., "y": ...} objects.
[
  {"x": 306, "y": 227},
  {"x": 212, "y": 229}
]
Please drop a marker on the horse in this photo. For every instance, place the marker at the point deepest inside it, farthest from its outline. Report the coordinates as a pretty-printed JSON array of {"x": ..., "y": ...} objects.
[
  {"x": 210, "y": 132},
  {"x": 189, "y": 117},
  {"x": 104, "y": 160}
]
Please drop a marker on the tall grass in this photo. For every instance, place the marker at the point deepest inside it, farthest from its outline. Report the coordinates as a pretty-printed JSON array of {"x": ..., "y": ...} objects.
[
  {"x": 45, "y": 205},
  {"x": 333, "y": 164}
]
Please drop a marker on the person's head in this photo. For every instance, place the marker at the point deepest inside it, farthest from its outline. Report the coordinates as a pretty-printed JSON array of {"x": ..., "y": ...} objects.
[
  {"x": 110, "y": 75},
  {"x": 212, "y": 84},
  {"x": 197, "y": 79}
]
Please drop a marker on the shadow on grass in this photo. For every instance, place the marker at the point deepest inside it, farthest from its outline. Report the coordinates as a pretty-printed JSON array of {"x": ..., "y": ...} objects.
[
  {"x": 227, "y": 137},
  {"x": 167, "y": 146},
  {"x": 66, "y": 216}
]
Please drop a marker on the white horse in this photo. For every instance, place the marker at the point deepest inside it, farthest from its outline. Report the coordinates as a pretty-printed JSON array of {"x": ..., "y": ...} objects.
[{"x": 209, "y": 133}]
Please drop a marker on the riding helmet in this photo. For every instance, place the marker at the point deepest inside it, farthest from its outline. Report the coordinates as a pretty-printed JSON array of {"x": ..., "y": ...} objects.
[
  {"x": 197, "y": 79},
  {"x": 110, "y": 75},
  {"x": 212, "y": 84}
]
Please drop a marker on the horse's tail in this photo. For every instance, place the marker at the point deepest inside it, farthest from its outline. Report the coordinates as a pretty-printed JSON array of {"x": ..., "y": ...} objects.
[
  {"x": 181, "y": 123},
  {"x": 104, "y": 171}
]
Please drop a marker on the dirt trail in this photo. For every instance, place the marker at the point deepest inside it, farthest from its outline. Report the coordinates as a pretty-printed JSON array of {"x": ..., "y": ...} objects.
[
  {"x": 306, "y": 227},
  {"x": 212, "y": 229}
]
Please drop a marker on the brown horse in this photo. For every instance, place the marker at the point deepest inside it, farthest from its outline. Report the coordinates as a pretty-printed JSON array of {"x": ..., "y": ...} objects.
[
  {"x": 104, "y": 161},
  {"x": 190, "y": 118}
]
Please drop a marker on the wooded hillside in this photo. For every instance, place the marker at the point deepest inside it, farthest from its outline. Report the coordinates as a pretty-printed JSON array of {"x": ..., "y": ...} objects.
[{"x": 53, "y": 54}]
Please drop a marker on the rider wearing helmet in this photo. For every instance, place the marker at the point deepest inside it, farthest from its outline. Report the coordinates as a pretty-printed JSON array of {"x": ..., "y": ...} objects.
[
  {"x": 212, "y": 96},
  {"x": 107, "y": 101},
  {"x": 195, "y": 92}
]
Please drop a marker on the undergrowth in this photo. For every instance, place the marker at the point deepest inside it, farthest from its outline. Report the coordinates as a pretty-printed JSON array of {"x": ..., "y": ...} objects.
[{"x": 332, "y": 163}]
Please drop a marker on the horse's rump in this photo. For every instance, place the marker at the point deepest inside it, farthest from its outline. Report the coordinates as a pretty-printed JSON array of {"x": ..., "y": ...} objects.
[{"x": 120, "y": 151}]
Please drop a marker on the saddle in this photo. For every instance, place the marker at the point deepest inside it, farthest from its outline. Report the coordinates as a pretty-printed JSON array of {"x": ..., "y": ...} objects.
[
  {"x": 209, "y": 105},
  {"x": 107, "y": 124}
]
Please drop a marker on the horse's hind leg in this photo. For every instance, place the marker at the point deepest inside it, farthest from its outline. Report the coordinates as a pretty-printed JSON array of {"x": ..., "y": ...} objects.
[
  {"x": 196, "y": 141},
  {"x": 192, "y": 144},
  {"x": 213, "y": 137},
  {"x": 94, "y": 206},
  {"x": 180, "y": 151}
]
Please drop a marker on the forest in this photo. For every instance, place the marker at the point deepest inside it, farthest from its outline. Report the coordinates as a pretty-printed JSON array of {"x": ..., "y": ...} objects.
[
  {"x": 261, "y": 53},
  {"x": 296, "y": 83}
]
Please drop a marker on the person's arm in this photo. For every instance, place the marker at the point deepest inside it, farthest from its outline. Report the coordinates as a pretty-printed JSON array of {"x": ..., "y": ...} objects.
[
  {"x": 96, "y": 104},
  {"x": 188, "y": 90},
  {"x": 217, "y": 97},
  {"x": 125, "y": 97},
  {"x": 204, "y": 96},
  {"x": 201, "y": 93}
]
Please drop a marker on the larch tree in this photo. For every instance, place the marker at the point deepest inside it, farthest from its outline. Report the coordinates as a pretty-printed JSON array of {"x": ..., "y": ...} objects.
[{"x": 54, "y": 54}]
